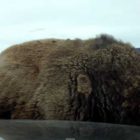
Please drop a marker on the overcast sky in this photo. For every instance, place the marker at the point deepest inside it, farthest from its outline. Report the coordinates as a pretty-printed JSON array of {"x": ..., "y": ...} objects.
[{"x": 23, "y": 20}]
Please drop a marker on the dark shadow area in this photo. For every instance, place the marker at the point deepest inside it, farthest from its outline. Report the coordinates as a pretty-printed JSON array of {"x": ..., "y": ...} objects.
[{"x": 5, "y": 115}]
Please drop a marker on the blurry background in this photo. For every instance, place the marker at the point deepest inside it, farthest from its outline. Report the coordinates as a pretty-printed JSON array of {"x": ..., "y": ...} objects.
[{"x": 24, "y": 20}]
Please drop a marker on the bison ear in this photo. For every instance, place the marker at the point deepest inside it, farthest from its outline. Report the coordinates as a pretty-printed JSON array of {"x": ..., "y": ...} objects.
[{"x": 84, "y": 84}]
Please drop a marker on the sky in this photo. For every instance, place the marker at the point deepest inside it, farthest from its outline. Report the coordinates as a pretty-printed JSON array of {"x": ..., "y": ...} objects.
[{"x": 24, "y": 20}]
